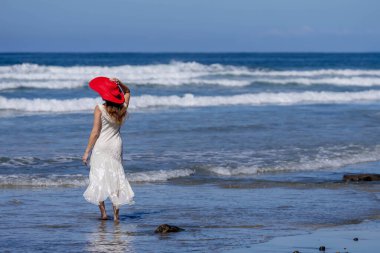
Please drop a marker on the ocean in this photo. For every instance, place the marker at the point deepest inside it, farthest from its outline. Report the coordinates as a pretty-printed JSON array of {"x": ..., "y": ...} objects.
[{"x": 236, "y": 148}]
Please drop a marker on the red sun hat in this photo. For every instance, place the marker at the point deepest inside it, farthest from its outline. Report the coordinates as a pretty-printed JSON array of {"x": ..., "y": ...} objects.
[{"x": 107, "y": 89}]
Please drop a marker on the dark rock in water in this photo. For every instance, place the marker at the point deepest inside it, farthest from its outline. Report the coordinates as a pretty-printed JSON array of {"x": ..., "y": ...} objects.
[
  {"x": 296, "y": 251},
  {"x": 361, "y": 177},
  {"x": 356, "y": 239},
  {"x": 322, "y": 248},
  {"x": 165, "y": 228}
]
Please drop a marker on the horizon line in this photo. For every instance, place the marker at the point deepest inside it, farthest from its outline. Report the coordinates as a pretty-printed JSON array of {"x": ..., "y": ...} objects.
[{"x": 190, "y": 52}]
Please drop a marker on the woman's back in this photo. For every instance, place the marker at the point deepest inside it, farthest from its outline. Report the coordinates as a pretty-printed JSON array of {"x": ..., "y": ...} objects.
[{"x": 109, "y": 141}]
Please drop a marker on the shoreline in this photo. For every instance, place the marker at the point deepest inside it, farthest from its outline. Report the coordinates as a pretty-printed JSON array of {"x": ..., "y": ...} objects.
[{"x": 334, "y": 239}]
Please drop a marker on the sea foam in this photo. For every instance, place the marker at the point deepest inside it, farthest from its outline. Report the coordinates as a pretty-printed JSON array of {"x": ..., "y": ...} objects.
[
  {"x": 189, "y": 100},
  {"x": 178, "y": 73},
  {"x": 329, "y": 160},
  {"x": 79, "y": 180}
]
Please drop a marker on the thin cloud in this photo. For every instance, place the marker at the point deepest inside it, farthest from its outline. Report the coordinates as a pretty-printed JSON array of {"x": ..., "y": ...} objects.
[{"x": 299, "y": 31}]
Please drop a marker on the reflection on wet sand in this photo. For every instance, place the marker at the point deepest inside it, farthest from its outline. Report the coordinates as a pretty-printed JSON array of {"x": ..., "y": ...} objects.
[{"x": 110, "y": 237}]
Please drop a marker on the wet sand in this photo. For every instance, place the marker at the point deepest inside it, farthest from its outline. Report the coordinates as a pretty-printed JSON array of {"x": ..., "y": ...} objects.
[{"x": 337, "y": 239}]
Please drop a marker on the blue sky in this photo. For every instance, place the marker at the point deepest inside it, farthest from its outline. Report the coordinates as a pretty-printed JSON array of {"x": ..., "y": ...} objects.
[{"x": 189, "y": 26}]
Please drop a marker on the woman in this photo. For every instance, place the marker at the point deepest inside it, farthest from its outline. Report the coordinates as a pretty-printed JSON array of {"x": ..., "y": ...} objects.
[{"x": 107, "y": 178}]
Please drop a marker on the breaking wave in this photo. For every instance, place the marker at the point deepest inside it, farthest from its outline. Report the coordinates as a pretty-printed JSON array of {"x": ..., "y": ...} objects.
[
  {"x": 328, "y": 158},
  {"x": 325, "y": 160},
  {"x": 78, "y": 180},
  {"x": 178, "y": 73},
  {"x": 322, "y": 161},
  {"x": 189, "y": 100}
]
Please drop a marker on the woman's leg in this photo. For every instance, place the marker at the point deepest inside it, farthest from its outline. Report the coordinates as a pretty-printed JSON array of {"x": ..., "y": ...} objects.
[
  {"x": 115, "y": 213},
  {"x": 102, "y": 209}
]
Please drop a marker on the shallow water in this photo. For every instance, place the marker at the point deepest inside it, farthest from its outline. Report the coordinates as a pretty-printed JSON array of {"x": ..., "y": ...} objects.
[{"x": 214, "y": 218}]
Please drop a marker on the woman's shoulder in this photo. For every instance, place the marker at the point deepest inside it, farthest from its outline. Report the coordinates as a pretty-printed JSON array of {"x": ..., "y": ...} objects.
[
  {"x": 100, "y": 107},
  {"x": 103, "y": 111},
  {"x": 97, "y": 109}
]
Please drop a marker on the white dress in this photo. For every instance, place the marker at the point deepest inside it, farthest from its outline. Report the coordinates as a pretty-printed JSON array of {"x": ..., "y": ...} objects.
[{"x": 107, "y": 178}]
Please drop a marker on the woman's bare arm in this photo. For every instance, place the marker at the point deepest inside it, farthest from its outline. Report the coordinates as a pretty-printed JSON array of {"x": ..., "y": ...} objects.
[
  {"x": 126, "y": 90},
  {"x": 127, "y": 97},
  {"x": 94, "y": 134}
]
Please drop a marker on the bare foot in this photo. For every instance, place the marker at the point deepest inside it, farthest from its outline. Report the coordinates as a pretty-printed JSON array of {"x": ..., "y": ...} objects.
[
  {"x": 102, "y": 209},
  {"x": 115, "y": 213}
]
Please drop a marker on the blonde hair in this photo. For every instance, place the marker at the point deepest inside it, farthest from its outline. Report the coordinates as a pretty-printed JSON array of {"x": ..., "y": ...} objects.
[{"x": 117, "y": 112}]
